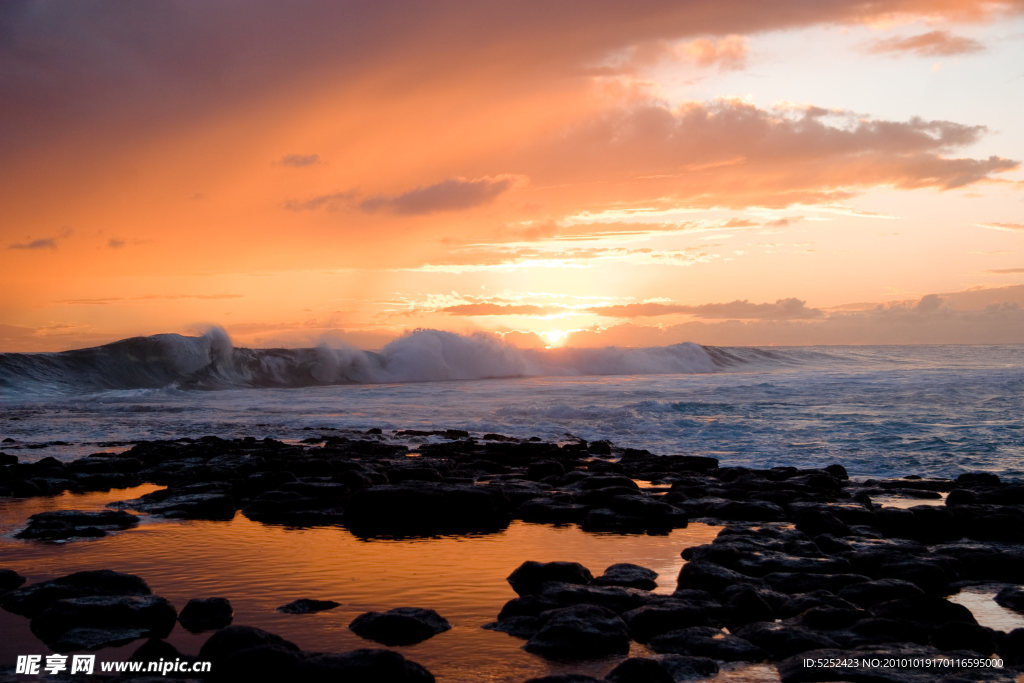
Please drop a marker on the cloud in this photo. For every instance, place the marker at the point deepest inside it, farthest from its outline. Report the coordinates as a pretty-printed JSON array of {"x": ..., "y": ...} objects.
[
  {"x": 931, "y": 44},
  {"x": 1005, "y": 227},
  {"x": 733, "y": 154},
  {"x": 783, "y": 309},
  {"x": 298, "y": 160},
  {"x": 453, "y": 194},
  {"x": 729, "y": 52},
  {"x": 115, "y": 243},
  {"x": 43, "y": 243},
  {"x": 497, "y": 309},
  {"x": 331, "y": 202},
  {"x": 1007, "y": 271}
]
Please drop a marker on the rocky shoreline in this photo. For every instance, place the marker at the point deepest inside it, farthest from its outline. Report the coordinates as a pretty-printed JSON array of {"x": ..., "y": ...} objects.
[{"x": 810, "y": 569}]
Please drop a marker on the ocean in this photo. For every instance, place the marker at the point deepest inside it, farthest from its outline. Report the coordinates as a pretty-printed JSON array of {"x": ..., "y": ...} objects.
[{"x": 878, "y": 410}]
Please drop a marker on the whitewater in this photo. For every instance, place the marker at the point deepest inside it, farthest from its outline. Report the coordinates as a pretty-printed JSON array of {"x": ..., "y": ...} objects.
[{"x": 879, "y": 411}]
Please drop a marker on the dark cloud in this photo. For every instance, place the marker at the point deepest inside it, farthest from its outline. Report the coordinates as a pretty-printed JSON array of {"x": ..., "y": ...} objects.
[
  {"x": 931, "y": 44},
  {"x": 331, "y": 202},
  {"x": 299, "y": 160},
  {"x": 448, "y": 195},
  {"x": 115, "y": 243},
  {"x": 43, "y": 243},
  {"x": 783, "y": 309}
]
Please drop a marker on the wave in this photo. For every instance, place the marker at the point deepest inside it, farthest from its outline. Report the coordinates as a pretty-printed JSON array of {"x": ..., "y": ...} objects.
[{"x": 212, "y": 362}]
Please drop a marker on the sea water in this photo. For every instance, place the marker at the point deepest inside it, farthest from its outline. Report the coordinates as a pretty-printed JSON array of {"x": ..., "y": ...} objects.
[{"x": 879, "y": 411}]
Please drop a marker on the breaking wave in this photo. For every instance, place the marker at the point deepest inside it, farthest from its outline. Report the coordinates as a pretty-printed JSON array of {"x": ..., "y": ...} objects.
[{"x": 212, "y": 362}]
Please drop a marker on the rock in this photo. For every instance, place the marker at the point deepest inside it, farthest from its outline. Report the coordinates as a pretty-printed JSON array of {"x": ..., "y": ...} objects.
[
  {"x": 426, "y": 508},
  {"x": 208, "y": 500},
  {"x": 650, "y": 620},
  {"x": 1011, "y": 597},
  {"x": 711, "y": 577},
  {"x": 881, "y": 590},
  {"x": 686, "y": 668},
  {"x": 565, "y": 678},
  {"x": 148, "y": 615},
  {"x": 579, "y": 632},
  {"x": 154, "y": 649},
  {"x": 517, "y": 626},
  {"x": 706, "y": 641},
  {"x": 61, "y": 525},
  {"x": 399, "y": 626},
  {"x": 781, "y": 640},
  {"x": 529, "y": 577},
  {"x": 10, "y": 579},
  {"x": 245, "y": 653},
  {"x": 629, "y": 576},
  {"x": 1011, "y": 647},
  {"x": 615, "y": 598},
  {"x": 360, "y": 666},
  {"x": 205, "y": 614},
  {"x": 32, "y": 599},
  {"x": 307, "y": 606},
  {"x": 640, "y": 670}
]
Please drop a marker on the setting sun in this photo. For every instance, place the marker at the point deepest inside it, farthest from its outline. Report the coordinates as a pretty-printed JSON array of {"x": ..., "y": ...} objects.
[{"x": 553, "y": 338}]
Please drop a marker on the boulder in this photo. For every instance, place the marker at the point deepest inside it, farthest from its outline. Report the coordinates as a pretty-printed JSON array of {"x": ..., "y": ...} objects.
[
  {"x": 629, "y": 576},
  {"x": 146, "y": 615},
  {"x": 205, "y": 614},
  {"x": 32, "y": 599},
  {"x": 529, "y": 577},
  {"x": 399, "y": 626},
  {"x": 307, "y": 606},
  {"x": 579, "y": 632},
  {"x": 60, "y": 525},
  {"x": 706, "y": 641}
]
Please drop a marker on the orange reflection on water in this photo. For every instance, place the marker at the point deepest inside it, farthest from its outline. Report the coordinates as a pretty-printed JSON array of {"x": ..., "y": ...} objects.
[{"x": 260, "y": 567}]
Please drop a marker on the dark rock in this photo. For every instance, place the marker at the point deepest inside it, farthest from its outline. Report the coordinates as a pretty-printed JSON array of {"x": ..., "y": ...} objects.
[
  {"x": 959, "y": 635},
  {"x": 871, "y": 592},
  {"x": 982, "y": 561},
  {"x": 205, "y": 614},
  {"x": 565, "y": 678},
  {"x": 307, "y": 606},
  {"x": 830, "y": 618},
  {"x": 711, "y": 577},
  {"x": 400, "y": 626},
  {"x": 640, "y": 670},
  {"x": 360, "y": 666},
  {"x": 64, "y": 524},
  {"x": 706, "y": 641},
  {"x": 32, "y": 599},
  {"x": 426, "y": 508},
  {"x": 150, "y": 615},
  {"x": 615, "y": 598},
  {"x": 783, "y": 640},
  {"x": 799, "y": 582},
  {"x": 550, "y": 510},
  {"x": 245, "y": 653},
  {"x": 529, "y": 577},
  {"x": 521, "y": 626},
  {"x": 579, "y": 632},
  {"x": 1011, "y": 647},
  {"x": 650, "y": 620},
  {"x": 817, "y": 521},
  {"x": 154, "y": 649},
  {"x": 837, "y": 471},
  {"x": 197, "y": 501},
  {"x": 685, "y": 668},
  {"x": 746, "y": 603},
  {"x": 10, "y": 579},
  {"x": 973, "y": 479},
  {"x": 629, "y": 576},
  {"x": 1011, "y": 597}
]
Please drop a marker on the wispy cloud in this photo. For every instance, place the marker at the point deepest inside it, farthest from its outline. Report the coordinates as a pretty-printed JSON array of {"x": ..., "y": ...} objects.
[
  {"x": 931, "y": 44},
  {"x": 453, "y": 194},
  {"x": 331, "y": 202},
  {"x": 783, "y": 309},
  {"x": 42, "y": 243},
  {"x": 298, "y": 160}
]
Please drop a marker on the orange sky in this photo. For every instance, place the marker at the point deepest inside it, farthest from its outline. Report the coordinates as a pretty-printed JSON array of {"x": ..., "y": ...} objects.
[{"x": 582, "y": 173}]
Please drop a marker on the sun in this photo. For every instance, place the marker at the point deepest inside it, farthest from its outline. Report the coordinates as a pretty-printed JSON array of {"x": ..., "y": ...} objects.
[{"x": 553, "y": 338}]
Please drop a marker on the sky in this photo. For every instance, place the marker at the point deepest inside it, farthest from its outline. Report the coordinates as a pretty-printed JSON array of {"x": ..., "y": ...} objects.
[{"x": 582, "y": 173}]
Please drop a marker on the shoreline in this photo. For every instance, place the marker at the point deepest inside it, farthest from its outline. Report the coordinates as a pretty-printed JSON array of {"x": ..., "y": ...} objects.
[{"x": 805, "y": 560}]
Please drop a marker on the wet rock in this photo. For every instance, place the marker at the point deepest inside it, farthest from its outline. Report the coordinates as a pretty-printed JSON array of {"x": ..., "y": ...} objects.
[
  {"x": 32, "y": 599},
  {"x": 745, "y": 603},
  {"x": 1011, "y": 597},
  {"x": 521, "y": 626},
  {"x": 149, "y": 615},
  {"x": 400, "y": 626},
  {"x": 1011, "y": 647},
  {"x": 579, "y": 632},
  {"x": 307, "y": 606},
  {"x": 629, "y": 576},
  {"x": 781, "y": 640},
  {"x": 426, "y": 508},
  {"x": 61, "y": 525},
  {"x": 959, "y": 635},
  {"x": 711, "y": 577},
  {"x": 799, "y": 582},
  {"x": 360, "y": 666},
  {"x": 640, "y": 670},
  {"x": 208, "y": 500},
  {"x": 706, "y": 641},
  {"x": 154, "y": 649},
  {"x": 872, "y": 592},
  {"x": 529, "y": 577},
  {"x": 246, "y": 653},
  {"x": 983, "y": 561},
  {"x": 10, "y": 579},
  {"x": 551, "y": 510},
  {"x": 205, "y": 614},
  {"x": 650, "y": 620},
  {"x": 615, "y": 598}
]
